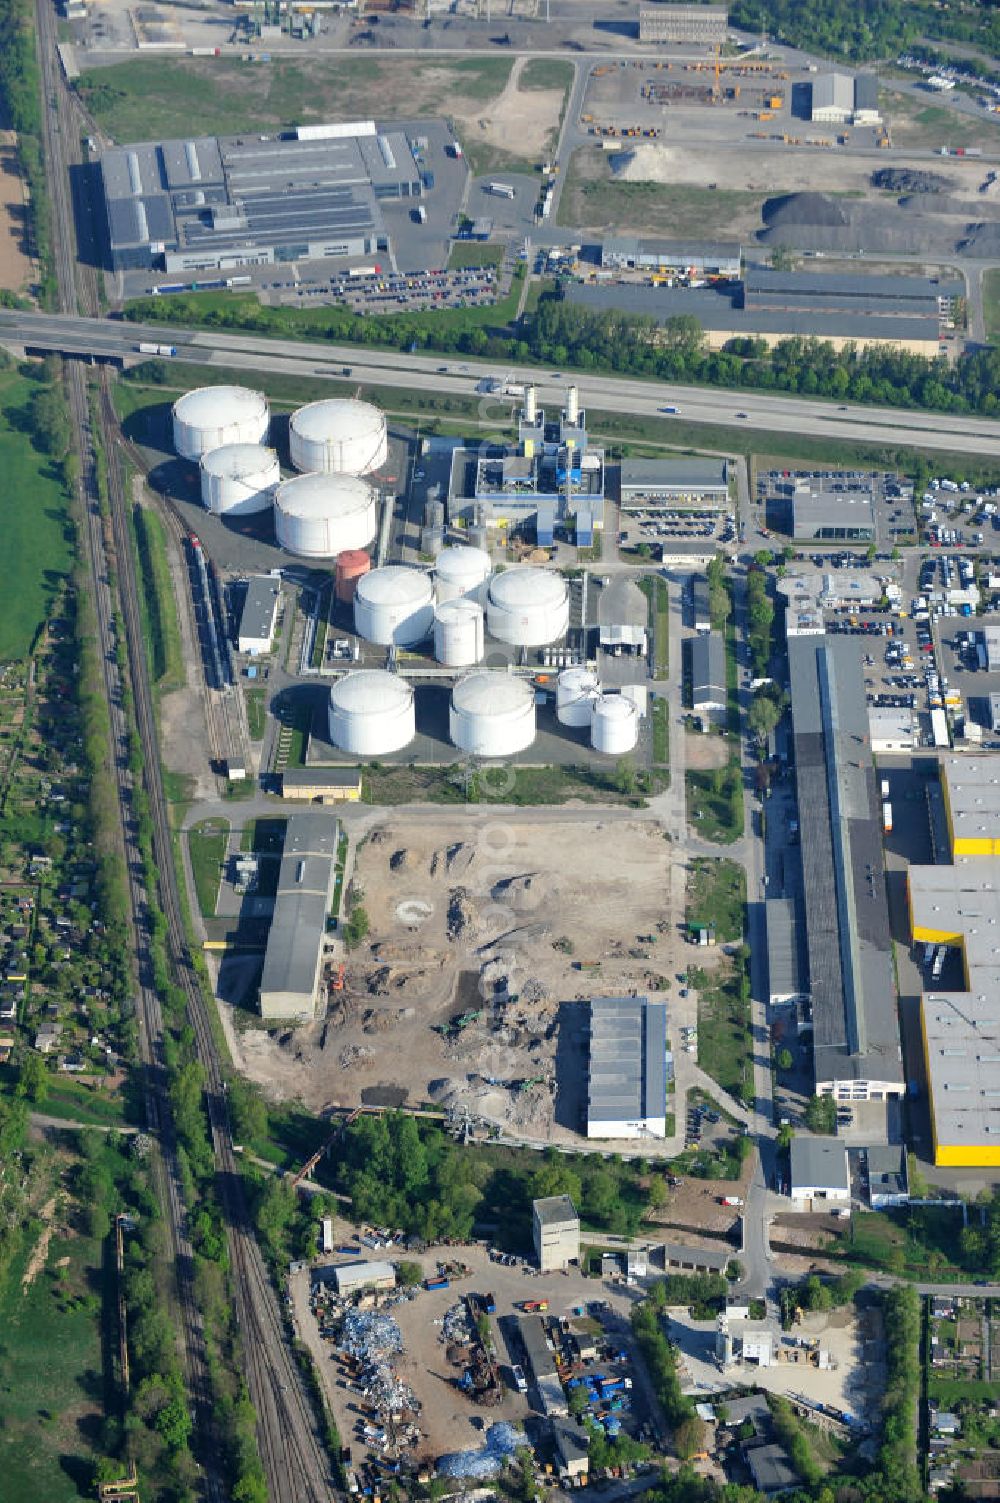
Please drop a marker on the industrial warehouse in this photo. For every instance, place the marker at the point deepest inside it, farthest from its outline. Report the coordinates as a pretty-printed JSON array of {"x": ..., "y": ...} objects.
[
  {"x": 856, "y": 1046},
  {"x": 290, "y": 984},
  {"x": 956, "y": 906},
  {"x": 215, "y": 203}
]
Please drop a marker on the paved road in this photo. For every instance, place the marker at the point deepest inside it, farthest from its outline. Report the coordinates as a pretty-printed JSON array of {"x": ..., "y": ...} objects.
[{"x": 768, "y": 412}]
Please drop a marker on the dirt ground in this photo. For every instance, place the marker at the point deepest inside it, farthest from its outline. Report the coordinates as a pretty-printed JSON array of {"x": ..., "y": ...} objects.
[
  {"x": 16, "y": 267},
  {"x": 521, "y": 121},
  {"x": 490, "y": 921},
  {"x": 706, "y": 752}
]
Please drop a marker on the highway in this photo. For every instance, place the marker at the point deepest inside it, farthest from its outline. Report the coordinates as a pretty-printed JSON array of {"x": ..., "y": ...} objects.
[
  {"x": 767, "y": 412},
  {"x": 291, "y": 1450}
]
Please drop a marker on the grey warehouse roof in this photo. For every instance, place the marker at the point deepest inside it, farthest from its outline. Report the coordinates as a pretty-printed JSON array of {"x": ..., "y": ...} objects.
[
  {"x": 858, "y": 286},
  {"x": 856, "y": 1034},
  {"x": 819, "y": 1161},
  {"x": 259, "y": 606},
  {"x": 785, "y": 966},
  {"x": 683, "y": 475},
  {"x": 772, "y": 1472},
  {"x": 708, "y": 669},
  {"x": 305, "y": 889},
  {"x": 703, "y": 1257},
  {"x": 628, "y": 1059}
]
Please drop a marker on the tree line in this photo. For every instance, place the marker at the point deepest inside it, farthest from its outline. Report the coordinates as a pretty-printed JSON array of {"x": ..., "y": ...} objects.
[
  {"x": 21, "y": 100},
  {"x": 871, "y": 30}
]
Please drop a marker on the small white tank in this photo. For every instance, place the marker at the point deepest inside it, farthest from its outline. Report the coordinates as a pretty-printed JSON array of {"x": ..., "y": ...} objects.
[
  {"x": 614, "y": 725},
  {"x": 211, "y": 416},
  {"x": 461, "y": 571},
  {"x": 372, "y": 713},
  {"x": 394, "y": 606},
  {"x": 576, "y": 690},
  {"x": 238, "y": 479},
  {"x": 459, "y": 633},
  {"x": 492, "y": 714}
]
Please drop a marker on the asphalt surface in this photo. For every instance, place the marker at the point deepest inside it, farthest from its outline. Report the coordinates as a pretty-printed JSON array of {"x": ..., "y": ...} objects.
[{"x": 111, "y": 339}]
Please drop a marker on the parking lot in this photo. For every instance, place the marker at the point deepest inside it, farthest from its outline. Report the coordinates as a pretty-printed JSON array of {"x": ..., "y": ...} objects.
[
  {"x": 676, "y": 526},
  {"x": 890, "y": 497}
]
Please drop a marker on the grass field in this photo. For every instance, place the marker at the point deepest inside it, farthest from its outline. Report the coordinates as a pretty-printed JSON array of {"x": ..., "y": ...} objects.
[
  {"x": 660, "y": 713},
  {"x": 207, "y": 843},
  {"x": 716, "y": 897},
  {"x": 546, "y": 73},
  {"x": 256, "y": 713},
  {"x": 724, "y": 1033},
  {"x": 148, "y": 98},
  {"x": 715, "y": 803},
  {"x": 74, "y": 1101},
  {"x": 37, "y": 539},
  {"x": 595, "y": 198},
  {"x": 156, "y": 600},
  {"x": 474, "y": 253},
  {"x": 991, "y": 303},
  {"x": 655, "y": 590},
  {"x": 52, "y": 1376}
]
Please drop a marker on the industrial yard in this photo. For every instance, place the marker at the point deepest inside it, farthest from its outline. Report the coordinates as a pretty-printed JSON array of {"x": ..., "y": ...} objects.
[{"x": 481, "y": 945}]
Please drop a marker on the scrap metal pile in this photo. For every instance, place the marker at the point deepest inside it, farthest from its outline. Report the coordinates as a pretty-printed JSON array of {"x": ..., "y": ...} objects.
[
  {"x": 372, "y": 1339},
  {"x": 502, "y": 1441}
]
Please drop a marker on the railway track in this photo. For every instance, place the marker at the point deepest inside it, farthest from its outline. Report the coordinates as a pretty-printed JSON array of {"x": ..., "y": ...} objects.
[{"x": 293, "y": 1457}]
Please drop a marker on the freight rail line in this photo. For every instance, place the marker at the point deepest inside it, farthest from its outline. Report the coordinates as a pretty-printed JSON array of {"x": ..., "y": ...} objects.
[{"x": 297, "y": 1471}]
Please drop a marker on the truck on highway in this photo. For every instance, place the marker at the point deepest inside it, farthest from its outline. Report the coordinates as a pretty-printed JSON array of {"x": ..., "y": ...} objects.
[
  {"x": 670, "y": 409},
  {"x": 157, "y": 349}
]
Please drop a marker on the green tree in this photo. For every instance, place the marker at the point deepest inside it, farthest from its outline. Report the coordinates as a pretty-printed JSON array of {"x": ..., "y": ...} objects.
[
  {"x": 821, "y": 1114},
  {"x": 785, "y": 1060},
  {"x": 33, "y": 1079}
]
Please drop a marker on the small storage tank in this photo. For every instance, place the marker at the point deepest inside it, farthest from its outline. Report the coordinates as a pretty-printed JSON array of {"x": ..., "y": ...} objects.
[
  {"x": 492, "y": 714},
  {"x": 372, "y": 713},
  {"x": 338, "y": 436},
  {"x": 461, "y": 571},
  {"x": 211, "y": 416},
  {"x": 238, "y": 479},
  {"x": 528, "y": 607},
  {"x": 614, "y": 725},
  {"x": 351, "y": 564},
  {"x": 458, "y": 633},
  {"x": 320, "y": 516},
  {"x": 394, "y": 607},
  {"x": 576, "y": 690}
]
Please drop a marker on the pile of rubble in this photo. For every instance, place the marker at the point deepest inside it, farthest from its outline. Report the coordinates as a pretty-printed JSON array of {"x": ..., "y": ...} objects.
[
  {"x": 368, "y": 1334},
  {"x": 457, "y": 1329}
]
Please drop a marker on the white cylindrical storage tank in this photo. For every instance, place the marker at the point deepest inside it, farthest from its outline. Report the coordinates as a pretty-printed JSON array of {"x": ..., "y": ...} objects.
[
  {"x": 211, "y": 416},
  {"x": 614, "y": 725},
  {"x": 372, "y": 713},
  {"x": 319, "y": 516},
  {"x": 394, "y": 607},
  {"x": 337, "y": 436},
  {"x": 528, "y": 607},
  {"x": 238, "y": 478},
  {"x": 458, "y": 633},
  {"x": 461, "y": 571},
  {"x": 576, "y": 690},
  {"x": 492, "y": 714}
]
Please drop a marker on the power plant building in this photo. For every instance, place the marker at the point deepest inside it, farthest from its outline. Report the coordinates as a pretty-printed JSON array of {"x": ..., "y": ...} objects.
[
  {"x": 211, "y": 203},
  {"x": 289, "y": 985},
  {"x": 957, "y": 906},
  {"x": 627, "y": 1095},
  {"x": 551, "y": 473},
  {"x": 704, "y": 25},
  {"x": 852, "y": 991}
]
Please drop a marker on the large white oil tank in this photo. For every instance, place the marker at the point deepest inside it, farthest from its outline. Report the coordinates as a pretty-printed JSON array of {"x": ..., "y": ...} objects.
[
  {"x": 372, "y": 713},
  {"x": 238, "y": 478},
  {"x": 394, "y": 606},
  {"x": 458, "y": 633},
  {"x": 492, "y": 714},
  {"x": 614, "y": 725},
  {"x": 528, "y": 607},
  {"x": 461, "y": 571},
  {"x": 338, "y": 436},
  {"x": 211, "y": 416},
  {"x": 576, "y": 690},
  {"x": 319, "y": 516}
]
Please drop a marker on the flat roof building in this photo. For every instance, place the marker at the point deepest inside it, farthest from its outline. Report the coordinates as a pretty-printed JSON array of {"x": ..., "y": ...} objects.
[
  {"x": 556, "y": 1230},
  {"x": 704, "y": 24},
  {"x": 826, "y": 508},
  {"x": 971, "y": 789},
  {"x": 701, "y": 603},
  {"x": 811, "y": 289},
  {"x": 210, "y": 203},
  {"x": 542, "y": 1366},
  {"x": 771, "y": 1470},
  {"x": 832, "y": 99},
  {"x": 572, "y": 1446},
  {"x": 888, "y": 1183},
  {"x": 819, "y": 1170},
  {"x": 856, "y": 1047},
  {"x": 289, "y": 985},
  {"x": 682, "y": 1255},
  {"x": 352, "y": 1278},
  {"x": 259, "y": 615},
  {"x": 322, "y": 785},
  {"x": 708, "y": 258},
  {"x": 785, "y": 962},
  {"x": 677, "y": 484},
  {"x": 707, "y": 655},
  {"x": 628, "y": 1068}
]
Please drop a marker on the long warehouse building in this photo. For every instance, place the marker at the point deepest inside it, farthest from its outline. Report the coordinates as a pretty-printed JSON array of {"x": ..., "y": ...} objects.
[
  {"x": 957, "y": 906},
  {"x": 856, "y": 1045},
  {"x": 289, "y": 986}
]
